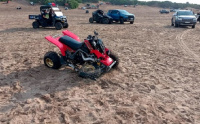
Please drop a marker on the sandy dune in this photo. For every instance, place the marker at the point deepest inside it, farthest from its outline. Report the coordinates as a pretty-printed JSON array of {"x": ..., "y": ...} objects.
[{"x": 157, "y": 81}]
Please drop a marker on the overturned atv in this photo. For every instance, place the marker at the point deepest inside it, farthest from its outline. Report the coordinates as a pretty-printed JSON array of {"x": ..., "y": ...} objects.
[
  {"x": 100, "y": 17},
  {"x": 89, "y": 58}
]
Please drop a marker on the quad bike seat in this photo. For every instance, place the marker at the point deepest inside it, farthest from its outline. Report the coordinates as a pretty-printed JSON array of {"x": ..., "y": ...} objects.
[{"x": 72, "y": 43}]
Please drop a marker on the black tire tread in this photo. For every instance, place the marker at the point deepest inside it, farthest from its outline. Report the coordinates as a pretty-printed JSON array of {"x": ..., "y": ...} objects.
[
  {"x": 121, "y": 21},
  {"x": 91, "y": 20},
  {"x": 115, "y": 58},
  {"x": 58, "y": 26},
  {"x": 35, "y": 25},
  {"x": 54, "y": 57}
]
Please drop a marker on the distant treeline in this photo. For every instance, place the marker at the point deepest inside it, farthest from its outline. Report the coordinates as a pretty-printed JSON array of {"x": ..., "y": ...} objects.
[
  {"x": 164, "y": 4},
  {"x": 168, "y": 4}
]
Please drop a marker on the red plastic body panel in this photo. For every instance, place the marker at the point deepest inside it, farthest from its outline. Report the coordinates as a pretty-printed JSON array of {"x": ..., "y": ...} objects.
[
  {"x": 72, "y": 35},
  {"x": 106, "y": 60},
  {"x": 88, "y": 45},
  {"x": 61, "y": 46}
]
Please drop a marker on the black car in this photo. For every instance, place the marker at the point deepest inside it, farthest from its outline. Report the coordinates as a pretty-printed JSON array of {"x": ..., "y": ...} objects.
[
  {"x": 100, "y": 17},
  {"x": 164, "y": 11},
  {"x": 55, "y": 18}
]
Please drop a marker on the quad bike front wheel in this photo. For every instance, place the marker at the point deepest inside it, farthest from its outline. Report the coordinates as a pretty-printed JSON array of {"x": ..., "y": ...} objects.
[
  {"x": 115, "y": 58},
  {"x": 52, "y": 60},
  {"x": 89, "y": 71}
]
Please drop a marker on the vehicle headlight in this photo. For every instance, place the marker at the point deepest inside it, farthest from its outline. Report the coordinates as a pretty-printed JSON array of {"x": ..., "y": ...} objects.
[
  {"x": 180, "y": 19},
  {"x": 194, "y": 19}
]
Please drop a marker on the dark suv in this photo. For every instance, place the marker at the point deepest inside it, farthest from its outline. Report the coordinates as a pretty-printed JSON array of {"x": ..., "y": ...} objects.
[
  {"x": 164, "y": 11},
  {"x": 121, "y": 15},
  {"x": 184, "y": 18}
]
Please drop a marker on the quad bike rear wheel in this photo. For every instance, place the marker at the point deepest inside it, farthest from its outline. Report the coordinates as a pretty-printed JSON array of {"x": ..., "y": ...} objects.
[
  {"x": 35, "y": 24},
  {"x": 58, "y": 26},
  {"x": 52, "y": 60},
  {"x": 89, "y": 71}
]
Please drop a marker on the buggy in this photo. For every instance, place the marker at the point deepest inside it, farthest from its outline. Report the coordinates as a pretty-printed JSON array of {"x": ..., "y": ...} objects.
[
  {"x": 100, "y": 17},
  {"x": 56, "y": 18}
]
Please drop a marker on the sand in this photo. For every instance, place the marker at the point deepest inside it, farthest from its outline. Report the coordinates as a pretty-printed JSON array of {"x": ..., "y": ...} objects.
[{"x": 157, "y": 81}]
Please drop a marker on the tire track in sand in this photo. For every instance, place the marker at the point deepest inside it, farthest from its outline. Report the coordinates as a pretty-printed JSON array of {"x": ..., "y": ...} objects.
[{"x": 184, "y": 47}]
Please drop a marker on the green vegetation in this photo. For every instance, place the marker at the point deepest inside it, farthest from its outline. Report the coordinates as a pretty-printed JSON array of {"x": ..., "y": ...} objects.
[
  {"x": 164, "y": 4},
  {"x": 122, "y": 2},
  {"x": 168, "y": 4},
  {"x": 72, "y": 3},
  {"x": 90, "y": 1}
]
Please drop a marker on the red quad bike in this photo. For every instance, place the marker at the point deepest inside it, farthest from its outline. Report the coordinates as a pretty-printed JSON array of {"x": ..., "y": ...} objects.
[{"x": 89, "y": 58}]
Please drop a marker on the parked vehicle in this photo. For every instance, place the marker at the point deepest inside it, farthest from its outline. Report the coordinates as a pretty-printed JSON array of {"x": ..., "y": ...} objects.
[
  {"x": 121, "y": 16},
  {"x": 89, "y": 58},
  {"x": 184, "y": 18},
  {"x": 100, "y": 17},
  {"x": 198, "y": 17},
  {"x": 56, "y": 18},
  {"x": 164, "y": 11}
]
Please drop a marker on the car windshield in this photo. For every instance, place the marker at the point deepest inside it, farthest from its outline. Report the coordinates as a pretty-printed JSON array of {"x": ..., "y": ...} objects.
[
  {"x": 124, "y": 12},
  {"x": 185, "y": 13}
]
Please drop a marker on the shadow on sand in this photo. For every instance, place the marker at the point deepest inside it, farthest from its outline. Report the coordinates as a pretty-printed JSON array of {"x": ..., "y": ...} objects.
[
  {"x": 11, "y": 30},
  {"x": 182, "y": 27},
  {"x": 38, "y": 81}
]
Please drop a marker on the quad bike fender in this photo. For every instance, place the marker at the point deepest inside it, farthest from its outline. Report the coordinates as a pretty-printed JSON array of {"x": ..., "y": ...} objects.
[
  {"x": 61, "y": 46},
  {"x": 72, "y": 35},
  {"x": 106, "y": 60}
]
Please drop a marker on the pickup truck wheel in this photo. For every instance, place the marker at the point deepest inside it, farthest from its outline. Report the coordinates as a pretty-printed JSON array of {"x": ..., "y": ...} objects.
[
  {"x": 35, "y": 24},
  {"x": 91, "y": 20},
  {"x": 193, "y": 26},
  {"x": 121, "y": 21},
  {"x": 172, "y": 24},
  {"x": 58, "y": 26},
  {"x": 131, "y": 22},
  {"x": 110, "y": 21},
  {"x": 175, "y": 25}
]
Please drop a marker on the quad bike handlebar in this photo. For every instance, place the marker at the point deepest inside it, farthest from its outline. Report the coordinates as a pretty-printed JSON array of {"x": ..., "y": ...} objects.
[{"x": 90, "y": 37}]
